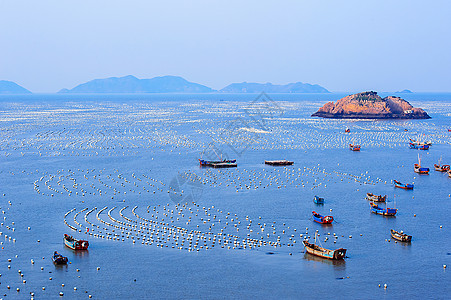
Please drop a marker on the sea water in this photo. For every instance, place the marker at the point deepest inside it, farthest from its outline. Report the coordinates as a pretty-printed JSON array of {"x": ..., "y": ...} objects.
[{"x": 64, "y": 158}]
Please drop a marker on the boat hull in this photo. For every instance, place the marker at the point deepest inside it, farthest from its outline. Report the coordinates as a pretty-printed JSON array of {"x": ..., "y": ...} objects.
[
  {"x": 75, "y": 244},
  {"x": 323, "y": 252},
  {"x": 405, "y": 186},
  {"x": 383, "y": 211},
  {"x": 402, "y": 237},
  {"x": 375, "y": 198},
  {"x": 322, "y": 219},
  {"x": 279, "y": 162}
]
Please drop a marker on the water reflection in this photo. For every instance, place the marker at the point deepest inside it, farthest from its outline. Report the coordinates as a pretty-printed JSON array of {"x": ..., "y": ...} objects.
[{"x": 341, "y": 262}]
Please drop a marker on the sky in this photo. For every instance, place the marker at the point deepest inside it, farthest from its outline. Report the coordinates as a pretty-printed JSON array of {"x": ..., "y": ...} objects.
[{"x": 344, "y": 46}]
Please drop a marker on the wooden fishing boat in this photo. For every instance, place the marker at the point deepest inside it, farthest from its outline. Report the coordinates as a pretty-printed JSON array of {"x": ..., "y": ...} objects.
[
  {"x": 75, "y": 244},
  {"x": 400, "y": 236},
  {"x": 418, "y": 169},
  {"x": 314, "y": 249},
  {"x": 382, "y": 211},
  {"x": 375, "y": 198},
  {"x": 406, "y": 186},
  {"x": 318, "y": 200},
  {"x": 354, "y": 147},
  {"x": 58, "y": 259},
  {"x": 279, "y": 162},
  {"x": 322, "y": 219},
  {"x": 428, "y": 143},
  {"x": 224, "y": 165},
  {"x": 416, "y": 146},
  {"x": 441, "y": 168}
]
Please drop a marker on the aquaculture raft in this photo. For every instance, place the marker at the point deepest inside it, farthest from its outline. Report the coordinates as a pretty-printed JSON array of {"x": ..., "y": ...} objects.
[{"x": 75, "y": 244}]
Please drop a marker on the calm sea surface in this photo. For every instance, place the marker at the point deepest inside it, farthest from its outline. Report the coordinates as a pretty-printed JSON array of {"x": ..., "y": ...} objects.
[{"x": 123, "y": 171}]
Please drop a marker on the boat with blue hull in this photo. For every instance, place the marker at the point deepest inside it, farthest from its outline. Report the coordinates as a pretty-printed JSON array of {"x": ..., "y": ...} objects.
[
  {"x": 318, "y": 200},
  {"x": 58, "y": 259},
  {"x": 382, "y": 211},
  {"x": 322, "y": 219},
  {"x": 406, "y": 186},
  {"x": 417, "y": 146}
]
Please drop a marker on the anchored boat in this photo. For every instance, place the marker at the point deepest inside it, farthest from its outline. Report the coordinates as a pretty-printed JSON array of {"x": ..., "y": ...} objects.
[
  {"x": 417, "y": 146},
  {"x": 279, "y": 162},
  {"x": 218, "y": 163},
  {"x": 318, "y": 200},
  {"x": 375, "y": 198},
  {"x": 382, "y": 211},
  {"x": 322, "y": 219},
  {"x": 75, "y": 244},
  {"x": 58, "y": 259},
  {"x": 406, "y": 186},
  {"x": 418, "y": 169},
  {"x": 441, "y": 168},
  {"x": 314, "y": 249},
  {"x": 400, "y": 236},
  {"x": 354, "y": 147}
]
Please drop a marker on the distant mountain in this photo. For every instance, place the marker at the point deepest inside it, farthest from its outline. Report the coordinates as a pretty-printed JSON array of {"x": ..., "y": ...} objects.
[
  {"x": 298, "y": 87},
  {"x": 9, "y": 87},
  {"x": 404, "y": 92},
  {"x": 131, "y": 84}
]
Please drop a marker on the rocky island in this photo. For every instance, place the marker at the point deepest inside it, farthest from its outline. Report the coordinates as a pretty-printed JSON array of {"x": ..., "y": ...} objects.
[{"x": 369, "y": 105}]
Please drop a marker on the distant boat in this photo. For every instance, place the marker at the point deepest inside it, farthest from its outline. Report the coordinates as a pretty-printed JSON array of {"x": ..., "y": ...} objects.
[
  {"x": 279, "y": 162},
  {"x": 218, "y": 163},
  {"x": 75, "y": 244},
  {"x": 58, "y": 259},
  {"x": 314, "y": 249},
  {"x": 418, "y": 169},
  {"x": 449, "y": 173},
  {"x": 416, "y": 146},
  {"x": 375, "y": 198},
  {"x": 441, "y": 168},
  {"x": 406, "y": 186},
  {"x": 347, "y": 130},
  {"x": 322, "y": 219},
  {"x": 428, "y": 143},
  {"x": 400, "y": 236},
  {"x": 318, "y": 200},
  {"x": 354, "y": 147},
  {"x": 382, "y": 211}
]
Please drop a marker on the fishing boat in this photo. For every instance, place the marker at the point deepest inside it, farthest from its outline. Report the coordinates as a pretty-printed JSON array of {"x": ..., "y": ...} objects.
[
  {"x": 354, "y": 147},
  {"x": 58, "y": 259},
  {"x": 279, "y": 162},
  {"x": 418, "y": 169},
  {"x": 375, "y": 198},
  {"x": 75, "y": 244},
  {"x": 441, "y": 168},
  {"x": 449, "y": 173},
  {"x": 317, "y": 250},
  {"x": 382, "y": 211},
  {"x": 211, "y": 163},
  {"x": 322, "y": 219},
  {"x": 400, "y": 236},
  {"x": 318, "y": 200},
  {"x": 406, "y": 186},
  {"x": 416, "y": 146},
  {"x": 347, "y": 130},
  {"x": 428, "y": 143}
]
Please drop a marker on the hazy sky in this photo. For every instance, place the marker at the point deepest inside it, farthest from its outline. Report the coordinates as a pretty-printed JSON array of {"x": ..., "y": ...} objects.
[{"x": 341, "y": 45}]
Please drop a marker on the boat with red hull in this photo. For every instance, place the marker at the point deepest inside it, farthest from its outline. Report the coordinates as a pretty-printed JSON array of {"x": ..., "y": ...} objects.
[
  {"x": 354, "y": 147},
  {"x": 322, "y": 219},
  {"x": 75, "y": 244}
]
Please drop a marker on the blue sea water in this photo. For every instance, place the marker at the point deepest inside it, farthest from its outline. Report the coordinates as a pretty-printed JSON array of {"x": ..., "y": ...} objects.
[{"x": 136, "y": 156}]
